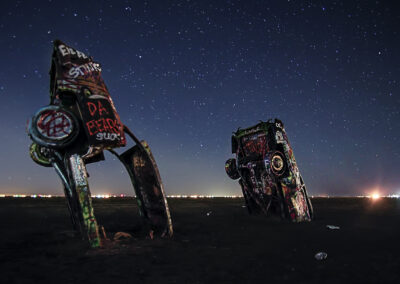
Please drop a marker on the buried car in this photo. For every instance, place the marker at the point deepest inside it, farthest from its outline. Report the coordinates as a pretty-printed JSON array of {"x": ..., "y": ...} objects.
[
  {"x": 75, "y": 129},
  {"x": 267, "y": 171}
]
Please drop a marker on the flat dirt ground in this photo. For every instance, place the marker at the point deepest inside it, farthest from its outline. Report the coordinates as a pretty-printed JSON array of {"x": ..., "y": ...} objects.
[{"x": 224, "y": 246}]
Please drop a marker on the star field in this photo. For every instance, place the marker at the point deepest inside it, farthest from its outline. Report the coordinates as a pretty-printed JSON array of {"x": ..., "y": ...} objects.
[{"x": 185, "y": 74}]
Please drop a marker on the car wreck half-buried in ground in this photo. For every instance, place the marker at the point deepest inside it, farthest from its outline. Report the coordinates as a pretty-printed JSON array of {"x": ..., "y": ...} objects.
[
  {"x": 76, "y": 127},
  {"x": 267, "y": 171}
]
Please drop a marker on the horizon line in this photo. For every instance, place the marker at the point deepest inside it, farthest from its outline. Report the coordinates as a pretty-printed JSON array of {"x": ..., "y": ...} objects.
[{"x": 183, "y": 196}]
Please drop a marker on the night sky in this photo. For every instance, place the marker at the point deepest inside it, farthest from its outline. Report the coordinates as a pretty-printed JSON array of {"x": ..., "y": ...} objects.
[{"x": 185, "y": 74}]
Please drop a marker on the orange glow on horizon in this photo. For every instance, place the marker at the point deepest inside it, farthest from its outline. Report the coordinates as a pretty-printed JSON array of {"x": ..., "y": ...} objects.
[{"x": 375, "y": 196}]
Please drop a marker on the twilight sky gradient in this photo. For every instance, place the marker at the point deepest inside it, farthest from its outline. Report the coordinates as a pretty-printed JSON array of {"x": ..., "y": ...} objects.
[{"x": 185, "y": 74}]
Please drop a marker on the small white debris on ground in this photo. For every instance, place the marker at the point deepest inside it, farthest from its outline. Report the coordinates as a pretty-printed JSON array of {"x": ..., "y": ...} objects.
[
  {"x": 321, "y": 255},
  {"x": 332, "y": 227}
]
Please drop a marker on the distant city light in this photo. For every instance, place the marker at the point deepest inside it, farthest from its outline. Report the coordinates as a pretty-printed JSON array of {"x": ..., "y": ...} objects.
[
  {"x": 195, "y": 196},
  {"x": 373, "y": 196},
  {"x": 110, "y": 196},
  {"x": 101, "y": 196}
]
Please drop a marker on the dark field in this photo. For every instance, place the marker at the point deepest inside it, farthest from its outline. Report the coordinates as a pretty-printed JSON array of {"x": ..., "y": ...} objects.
[{"x": 38, "y": 246}]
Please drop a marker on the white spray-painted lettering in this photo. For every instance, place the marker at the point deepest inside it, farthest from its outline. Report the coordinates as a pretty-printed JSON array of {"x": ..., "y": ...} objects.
[
  {"x": 65, "y": 50},
  {"x": 107, "y": 136},
  {"x": 84, "y": 69}
]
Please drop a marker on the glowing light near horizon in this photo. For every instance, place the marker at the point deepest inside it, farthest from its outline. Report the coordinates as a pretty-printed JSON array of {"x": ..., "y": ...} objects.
[
  {"x": 106, "y": 196},
  {"x": 195, "y": 196},
  {"x": 394, "y": 196},
  {"x": 102, "y": 196},
  {"x": 375, "y": 196}
]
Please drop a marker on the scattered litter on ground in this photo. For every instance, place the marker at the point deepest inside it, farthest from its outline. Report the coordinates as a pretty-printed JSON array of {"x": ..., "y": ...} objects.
[
  {"x": 321, "y": 255},
  {"x": 332, "y": 227},
  {"x": 151, "y": 234},
  {"x": 209, "y": 213},
  {"x": 122, "y": 235}
]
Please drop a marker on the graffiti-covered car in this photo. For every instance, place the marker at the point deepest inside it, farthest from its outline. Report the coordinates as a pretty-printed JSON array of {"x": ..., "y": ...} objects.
[
  {"x": 75, "y": 129},
  {"x": 267, "y": 171}
]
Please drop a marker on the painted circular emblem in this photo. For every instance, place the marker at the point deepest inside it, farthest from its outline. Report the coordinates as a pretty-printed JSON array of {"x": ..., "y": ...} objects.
[{"x": 54, "y": 125}]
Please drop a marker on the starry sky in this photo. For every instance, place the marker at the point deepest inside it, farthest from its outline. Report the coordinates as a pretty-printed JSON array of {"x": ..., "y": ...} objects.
[{"x": 185, "y": 74}]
